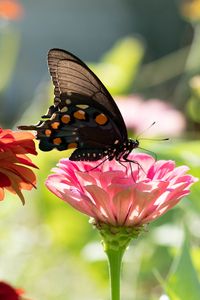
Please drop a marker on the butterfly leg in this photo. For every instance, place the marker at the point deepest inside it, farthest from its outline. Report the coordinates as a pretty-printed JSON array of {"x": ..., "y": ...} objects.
[
  {"x": 125, "y": 159},
  {"x": 121, "y": 163},
  {"x": 98, "y": 165}
]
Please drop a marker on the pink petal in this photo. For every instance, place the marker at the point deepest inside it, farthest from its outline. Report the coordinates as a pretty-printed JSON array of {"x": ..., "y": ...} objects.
[
  {"x": 161, "y": 169},
  {"x": 144, "y": 160},
  {"x": 122, "y": 204},
  {"x": 72, "y": 196},
  {"x": 102, "y": 207},
  {"x": 144, "y": 196},
  {"x": 85, "y": 178}
]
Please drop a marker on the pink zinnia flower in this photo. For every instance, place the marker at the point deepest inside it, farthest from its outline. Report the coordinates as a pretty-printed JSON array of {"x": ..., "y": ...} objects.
[{"x": 119, "y": 196}]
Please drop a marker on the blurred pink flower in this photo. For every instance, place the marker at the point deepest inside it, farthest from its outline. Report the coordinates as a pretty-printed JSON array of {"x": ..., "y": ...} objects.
[
  {"x": 139, "y": 115},
  {"x": 119, "y": 197}
]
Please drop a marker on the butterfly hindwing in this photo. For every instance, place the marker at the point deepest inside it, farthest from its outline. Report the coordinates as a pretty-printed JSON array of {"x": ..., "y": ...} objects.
[{"x": 78, "y": 124}]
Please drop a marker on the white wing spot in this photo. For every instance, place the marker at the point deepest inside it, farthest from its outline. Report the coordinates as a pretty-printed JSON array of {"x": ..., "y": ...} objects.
[
  {"x": 53, "y": 116},
  {"x": 64, "y": 109},
  {"x": 82, "y": 106},
  {"x": 68, "y": 101}
]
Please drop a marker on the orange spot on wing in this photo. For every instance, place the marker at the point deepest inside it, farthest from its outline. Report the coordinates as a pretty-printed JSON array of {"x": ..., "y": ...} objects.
[
  {"x": 65, "y": 119},
  {"x": 72, "y": 145},
  {"x": 79, "y": 114},
  {"x": 47, "y": 132},
  {"x": 57, "y": 141},
  {"x": 55, "y": 125},
  {"x": 101, "y": 119}
]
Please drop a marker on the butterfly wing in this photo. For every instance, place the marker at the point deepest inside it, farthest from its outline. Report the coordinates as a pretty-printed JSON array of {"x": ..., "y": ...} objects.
[
  {"x": 54, "y": 56},
  {"x": 84, "y": 115},
  {"x": 80, "y": 123},
  {"x": 70, "y": 74}
]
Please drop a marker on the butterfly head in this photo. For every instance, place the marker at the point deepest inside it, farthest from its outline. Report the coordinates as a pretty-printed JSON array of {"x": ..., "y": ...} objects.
[{"x": 132, "y": 144}]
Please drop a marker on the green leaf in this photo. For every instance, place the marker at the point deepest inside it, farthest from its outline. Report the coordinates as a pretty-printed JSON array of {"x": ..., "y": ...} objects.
[
  {"x": 118, "y": 67},
  {"x": 183, "y": 282}
]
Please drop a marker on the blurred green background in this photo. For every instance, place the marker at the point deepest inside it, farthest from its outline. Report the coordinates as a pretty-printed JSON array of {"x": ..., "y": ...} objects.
[{"x": 147, "y": 52}]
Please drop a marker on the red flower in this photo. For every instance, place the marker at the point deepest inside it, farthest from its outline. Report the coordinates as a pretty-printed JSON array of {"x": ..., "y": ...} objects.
[
  {"x": 14, "y": 173},
  {"x": 7, "y": 292}
]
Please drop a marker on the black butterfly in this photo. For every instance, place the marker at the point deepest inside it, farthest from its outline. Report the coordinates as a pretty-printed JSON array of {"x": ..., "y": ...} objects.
[{"x": 84, "y": 115}]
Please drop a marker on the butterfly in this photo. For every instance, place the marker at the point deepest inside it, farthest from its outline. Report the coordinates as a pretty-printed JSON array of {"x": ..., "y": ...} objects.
[{"x": 84, "y": 116}]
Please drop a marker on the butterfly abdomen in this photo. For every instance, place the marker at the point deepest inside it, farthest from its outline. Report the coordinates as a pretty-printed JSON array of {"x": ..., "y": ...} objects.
[
  {"x": 87, "y": 154},
  {"x": 118, "y": 151}
]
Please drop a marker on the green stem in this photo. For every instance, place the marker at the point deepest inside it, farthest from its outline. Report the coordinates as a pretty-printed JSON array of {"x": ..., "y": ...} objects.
[
  {"x": 115, "y": 240},
  {"x": 115, "y": 262}
]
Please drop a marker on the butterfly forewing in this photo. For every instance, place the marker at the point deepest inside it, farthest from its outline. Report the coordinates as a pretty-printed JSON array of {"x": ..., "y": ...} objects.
[
  {"x": 69, "y": 71},
  {"x": 54, "y": 56}
]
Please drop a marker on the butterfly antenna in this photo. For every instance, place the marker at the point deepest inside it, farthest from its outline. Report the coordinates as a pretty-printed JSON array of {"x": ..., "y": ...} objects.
[
  {"x": 137, "y": 137},
  {"x": 150, "y": 139}
]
